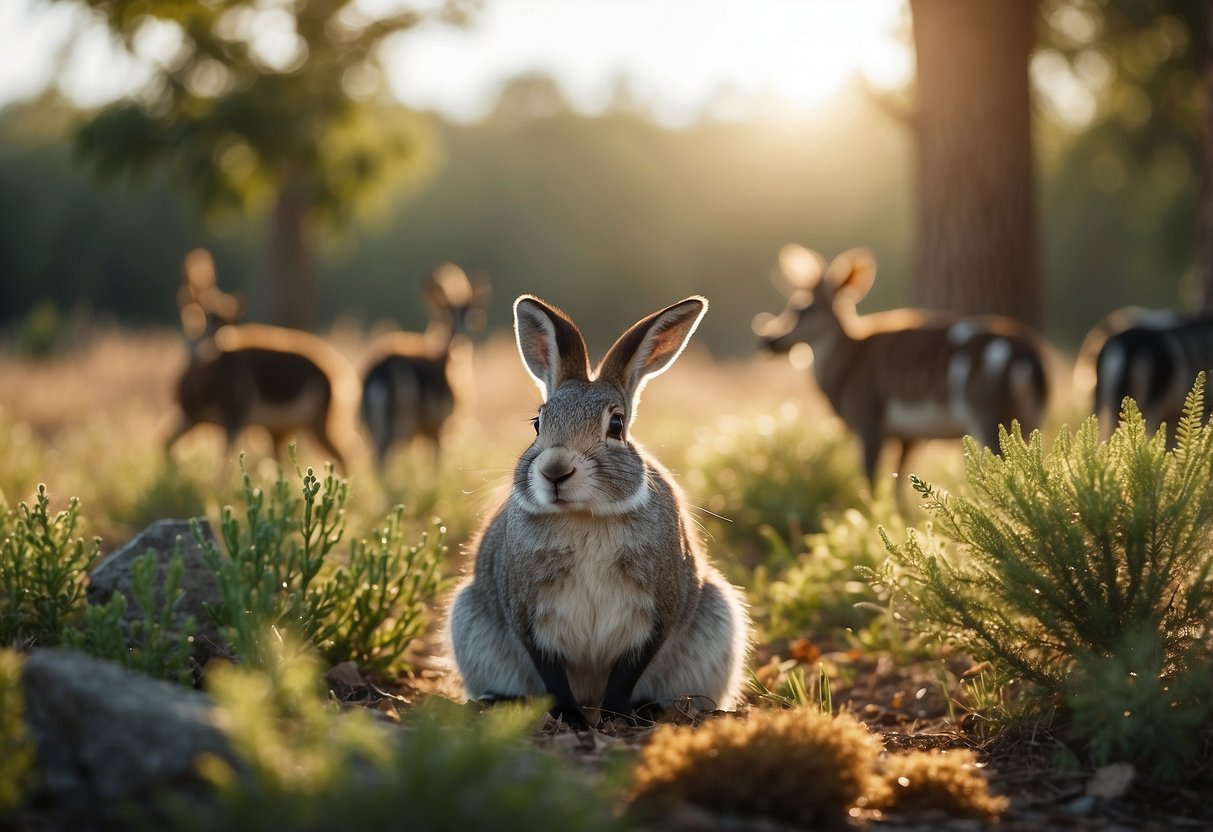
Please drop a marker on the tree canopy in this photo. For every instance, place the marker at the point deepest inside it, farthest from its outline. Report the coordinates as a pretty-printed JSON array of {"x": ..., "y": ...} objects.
[{"x": 252, "y": 106}]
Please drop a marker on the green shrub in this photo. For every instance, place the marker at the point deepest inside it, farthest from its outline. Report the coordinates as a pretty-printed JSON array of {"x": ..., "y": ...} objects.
[
  {"x": 157, "y": 644},
  {"x": 383, "y": 596},
  {"x": 15, "y": 748},
  {"x": 44, "y": 331},
  {"x": 282, "y": 575},
  {"x": 313, "y": 768},
  {"x": 1079, "y": 568},
  {"x": 777, "y": 472},
  {"x": 820, "y": 591},
  {"x": 43, "y": 572},
  {"x": 1128, "y": 706}
]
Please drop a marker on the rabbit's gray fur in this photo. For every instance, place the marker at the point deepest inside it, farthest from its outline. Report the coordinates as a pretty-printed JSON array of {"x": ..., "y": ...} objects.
[{"x": 588, "y": 584}]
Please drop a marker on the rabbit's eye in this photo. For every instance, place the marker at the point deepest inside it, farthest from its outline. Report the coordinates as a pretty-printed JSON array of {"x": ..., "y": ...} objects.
[
  {"x": 615, "y": 426},
  {"x": 535, "y": 424}
]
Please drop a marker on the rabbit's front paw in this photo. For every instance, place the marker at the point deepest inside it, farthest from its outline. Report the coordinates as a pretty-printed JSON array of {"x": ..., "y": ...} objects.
[{"x": 571, "y": 716}]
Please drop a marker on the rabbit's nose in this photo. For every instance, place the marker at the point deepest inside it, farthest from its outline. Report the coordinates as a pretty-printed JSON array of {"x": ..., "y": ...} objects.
[{"x": 555, "y": 475}]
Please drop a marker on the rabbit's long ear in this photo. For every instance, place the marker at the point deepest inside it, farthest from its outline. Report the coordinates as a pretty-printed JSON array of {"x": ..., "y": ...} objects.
[
  {"x": 650, "y": 346},
  {"x": 550, "y": 344}
]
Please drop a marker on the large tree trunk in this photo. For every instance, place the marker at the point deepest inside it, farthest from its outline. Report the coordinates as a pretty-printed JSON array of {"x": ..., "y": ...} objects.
[
  {"x": 977, "y": 237},
  {"x": 292, "y": 264},
  {"x": 1204, "y": 228}
]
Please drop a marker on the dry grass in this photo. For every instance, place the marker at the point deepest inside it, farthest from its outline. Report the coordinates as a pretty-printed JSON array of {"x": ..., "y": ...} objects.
[
  {"x": 939, "y": 781},
  {"x": 800, "y": 766}
]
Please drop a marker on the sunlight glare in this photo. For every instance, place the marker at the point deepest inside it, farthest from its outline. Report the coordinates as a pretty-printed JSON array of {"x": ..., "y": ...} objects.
[{"x": 676, "y": 57}]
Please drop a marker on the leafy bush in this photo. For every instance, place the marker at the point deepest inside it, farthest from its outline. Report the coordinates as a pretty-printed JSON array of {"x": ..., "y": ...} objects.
[
  {"x": 44, "y": 331},
  {"x": 15, "y": 749},
  {"x": 800, "y": 766},
  {"x": 776, "y": 472},
  {"x": 158, "y": 644},
  {"x": 820, "y": 590},
  {"x": 281, "y": 575},
  {"x": 1082, "y": 568},
  {"x": 43, "y": 571},
  {"x": 312, "y": 768}
]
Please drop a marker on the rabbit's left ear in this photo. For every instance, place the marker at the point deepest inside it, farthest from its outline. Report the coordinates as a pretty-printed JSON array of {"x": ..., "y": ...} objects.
[
  {"x": 651, "y": 346},
  {"x": 550, "y": 344}
]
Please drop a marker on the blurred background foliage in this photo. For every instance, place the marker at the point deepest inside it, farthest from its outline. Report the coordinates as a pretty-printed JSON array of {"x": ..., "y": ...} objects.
[{"x": 616, "y": 212}]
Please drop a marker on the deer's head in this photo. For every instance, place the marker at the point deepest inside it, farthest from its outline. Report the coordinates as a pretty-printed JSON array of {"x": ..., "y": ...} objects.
[
  {"x": 455, "y": 301},
  {"x": 205, "y": 308},
  {"x": 819, "y": 297}
]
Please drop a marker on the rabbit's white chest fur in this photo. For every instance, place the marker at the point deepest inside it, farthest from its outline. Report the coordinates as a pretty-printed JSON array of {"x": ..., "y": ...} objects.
[{"x": 592, "y": 612}]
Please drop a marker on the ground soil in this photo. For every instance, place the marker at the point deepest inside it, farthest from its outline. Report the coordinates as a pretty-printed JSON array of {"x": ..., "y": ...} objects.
[{"x": 906, "y": 705}]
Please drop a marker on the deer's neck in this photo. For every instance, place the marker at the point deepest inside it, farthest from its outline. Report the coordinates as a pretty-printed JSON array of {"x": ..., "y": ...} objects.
[
  {"x": 439, "y": 338},
  {"x": 833, "y": 356}
]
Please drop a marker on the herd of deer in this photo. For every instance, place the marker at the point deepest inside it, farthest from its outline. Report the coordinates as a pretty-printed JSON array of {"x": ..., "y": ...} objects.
[
  {"x": 290, "y": 382},
  {"x": 904, "y": 374},
  {"x": 588, "y": 584}
]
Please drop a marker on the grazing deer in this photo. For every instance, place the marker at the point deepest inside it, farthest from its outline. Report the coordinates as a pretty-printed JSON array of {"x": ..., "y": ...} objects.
[
  {"x": 904, "y": 374},
  {"x": 413, "y": 384},
  {"x": 284, "y": 380},
  {"x": 1152, "y": 357}
]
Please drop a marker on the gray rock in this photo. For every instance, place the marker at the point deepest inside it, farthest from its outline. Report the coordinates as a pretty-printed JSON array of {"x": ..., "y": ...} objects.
[
  {"x": 114, "y": 574},
  {"x": 108, "y": 740}
]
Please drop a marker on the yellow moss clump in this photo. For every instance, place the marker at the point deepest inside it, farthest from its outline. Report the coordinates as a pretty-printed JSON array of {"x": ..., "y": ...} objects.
[
  {"x": 933, "y": 781},
  {"x": 801, "y": 766}
]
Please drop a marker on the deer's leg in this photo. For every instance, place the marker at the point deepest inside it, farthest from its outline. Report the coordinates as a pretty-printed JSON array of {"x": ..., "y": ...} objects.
[
  {"x": 435, "y": 443},
  {"x": 988, "y": 436},
  {"x": 184, "y": 427},
  {"x": 231, "y": 432},
  {"x": 902, "y": 476},
  {"x": 383, "y": 444},
  {"x": 280, "y": 442},
  {"x": 870, "y": 440},
  {"x": 322, "y": 436}
]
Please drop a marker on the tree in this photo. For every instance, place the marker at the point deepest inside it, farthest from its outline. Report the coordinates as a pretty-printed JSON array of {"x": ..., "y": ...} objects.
[
  {"x": 976, "y": 222},
  {"x": 294, "y": 121},
  {"x": 1204, "y": 227}
]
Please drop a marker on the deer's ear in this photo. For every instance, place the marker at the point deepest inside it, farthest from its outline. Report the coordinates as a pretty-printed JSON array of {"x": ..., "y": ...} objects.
[
  {"x": 481, "y": 290},
  {"x": 550, "y": 344},
  {"x": 798, "y": 269},
  {"x": 852, "y": 273},
  {"x": 227, "y": 306},
  {"x": 199, "y": 270}
]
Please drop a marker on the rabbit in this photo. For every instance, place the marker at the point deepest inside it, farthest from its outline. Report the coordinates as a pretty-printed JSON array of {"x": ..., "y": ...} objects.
[{"x": 588, "y": 585}]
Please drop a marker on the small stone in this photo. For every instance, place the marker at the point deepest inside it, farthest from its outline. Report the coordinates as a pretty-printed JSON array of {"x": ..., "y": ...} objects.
[{"x": 115, "y": 574}]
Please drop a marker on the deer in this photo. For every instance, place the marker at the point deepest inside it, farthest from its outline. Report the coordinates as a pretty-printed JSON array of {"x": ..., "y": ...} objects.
[
  {"x": 1151, "y": 356},
  {"x": 904, "y": 374},
  {"x": 413, "y": 381},
  {"x": 283, "y": 380},
  {"x": 1116, "y": 321}
]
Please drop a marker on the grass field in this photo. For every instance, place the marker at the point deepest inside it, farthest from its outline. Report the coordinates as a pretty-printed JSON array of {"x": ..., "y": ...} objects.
[{"x": 774, "y": 480}]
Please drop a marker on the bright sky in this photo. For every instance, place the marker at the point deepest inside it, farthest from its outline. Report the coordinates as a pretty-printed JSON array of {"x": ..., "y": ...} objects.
[{"x": 676, "y": 55}]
